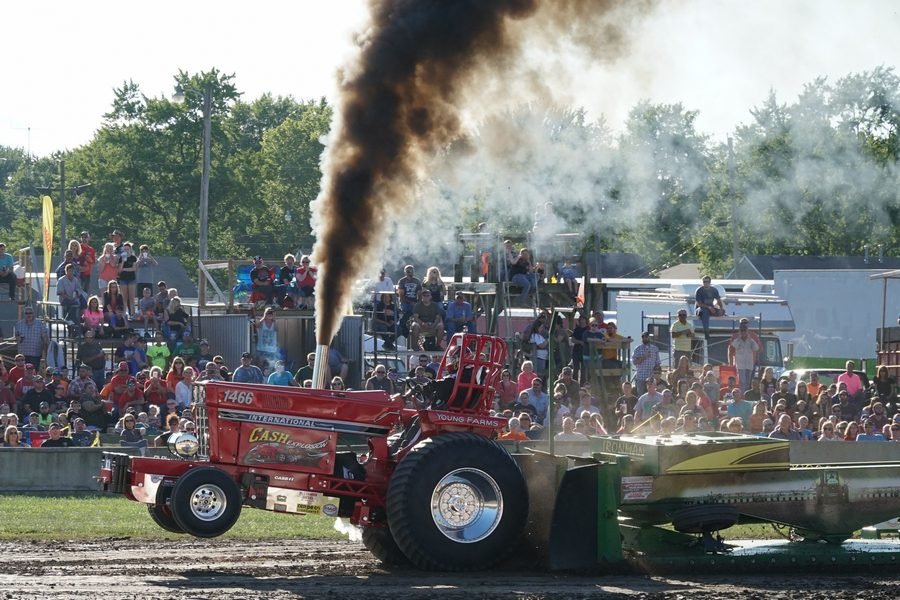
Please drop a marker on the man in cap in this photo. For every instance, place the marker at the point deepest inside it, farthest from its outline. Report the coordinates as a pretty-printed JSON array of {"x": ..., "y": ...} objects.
[
  {"x": 80, "y": 436},
  {"x": 7, "y": 275},
  {"x": 39, "y": 398},
  {"x": 459, "y": 315},
  {"x": 682, "y": 332},
  {"x": 56, "y": 439},
  {"x": 743, "y": 354},
  {"x": 247, "y": 372},
  {"x": 261, "y": 281},
  {"x": 645, "y": 357},
  {"x": 119, "y": 247},
  {"x": 86, "y": 259}
]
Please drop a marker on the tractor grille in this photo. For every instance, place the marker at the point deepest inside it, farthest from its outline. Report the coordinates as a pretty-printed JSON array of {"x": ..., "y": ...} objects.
[{"x": 201, "y": 419}]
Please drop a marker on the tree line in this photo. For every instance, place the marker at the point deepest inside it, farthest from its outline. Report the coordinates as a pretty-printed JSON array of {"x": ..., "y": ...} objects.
[{"x": 815, "y": 176}]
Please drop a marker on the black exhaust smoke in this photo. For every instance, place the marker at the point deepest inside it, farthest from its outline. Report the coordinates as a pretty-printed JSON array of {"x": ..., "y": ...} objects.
[{"x": 400, "y": 104}]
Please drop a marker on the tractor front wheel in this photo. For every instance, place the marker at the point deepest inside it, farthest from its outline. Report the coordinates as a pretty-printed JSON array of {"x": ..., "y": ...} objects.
[
  {"x": 206, "y": 502},
  {"x": 457, "y": 501}
]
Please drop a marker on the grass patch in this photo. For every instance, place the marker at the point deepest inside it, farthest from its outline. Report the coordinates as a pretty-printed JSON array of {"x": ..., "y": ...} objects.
[{"x": 92, "y": 516}]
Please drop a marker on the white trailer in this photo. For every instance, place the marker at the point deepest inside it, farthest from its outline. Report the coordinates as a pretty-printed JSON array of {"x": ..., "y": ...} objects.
[
  {"x": 769, "y": 316},
  {"x": 837, "y": 313}
]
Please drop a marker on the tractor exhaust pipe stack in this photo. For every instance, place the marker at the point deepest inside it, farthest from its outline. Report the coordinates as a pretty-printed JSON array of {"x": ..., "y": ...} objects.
[{"x": 320, "y": 367}]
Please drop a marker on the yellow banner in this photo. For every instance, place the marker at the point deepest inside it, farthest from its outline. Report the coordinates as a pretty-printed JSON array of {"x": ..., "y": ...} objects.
[{"x": 47, "y": 231}]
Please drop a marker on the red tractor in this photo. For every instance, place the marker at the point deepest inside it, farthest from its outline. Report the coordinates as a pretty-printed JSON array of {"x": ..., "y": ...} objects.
[{"x": 433, "y": 487}]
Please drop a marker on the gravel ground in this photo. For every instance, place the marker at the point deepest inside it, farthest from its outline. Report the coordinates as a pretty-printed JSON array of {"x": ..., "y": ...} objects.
[{"x": 114, "y": 569}]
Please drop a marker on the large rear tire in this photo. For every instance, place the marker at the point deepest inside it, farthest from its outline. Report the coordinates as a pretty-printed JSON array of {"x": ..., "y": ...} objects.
[
  {"x": 457, "y": 502},
  {"x": 206, "y": 502},
  {"x": 381, "y": 543}
]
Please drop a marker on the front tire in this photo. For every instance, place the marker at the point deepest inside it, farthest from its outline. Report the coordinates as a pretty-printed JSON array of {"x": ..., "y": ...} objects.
[
  {"x": 206, "y": 502},
  {"x": 457, "y": 502}
]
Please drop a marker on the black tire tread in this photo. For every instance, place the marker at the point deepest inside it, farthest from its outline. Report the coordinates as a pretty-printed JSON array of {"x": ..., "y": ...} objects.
[
  {"x": 403, "y": 529},
  {"x": 162, "y": 516},
  {"x": 381, "y": 543}
]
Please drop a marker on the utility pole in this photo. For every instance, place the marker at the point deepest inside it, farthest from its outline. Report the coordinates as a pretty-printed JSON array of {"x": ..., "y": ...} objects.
[
  {"x": 62, "y": 189},
  {"x": 735, "y": 251},
  {"x": 62, "y": 207},
  {"x": 204, "y": 178}
]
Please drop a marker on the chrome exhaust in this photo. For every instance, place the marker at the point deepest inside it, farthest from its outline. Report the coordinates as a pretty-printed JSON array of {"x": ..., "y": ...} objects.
[{"x": 320, "y": 367}]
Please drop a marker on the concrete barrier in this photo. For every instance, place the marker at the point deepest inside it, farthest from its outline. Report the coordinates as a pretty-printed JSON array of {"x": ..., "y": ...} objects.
[{"x": 53, "y": 469}]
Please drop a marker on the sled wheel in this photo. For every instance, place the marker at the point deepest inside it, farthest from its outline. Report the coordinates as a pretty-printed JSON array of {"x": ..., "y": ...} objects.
[
  {"x": 457, "y": 502},
  {"x": 381, "y": 543},
  {"x": 206, "y": 502}
]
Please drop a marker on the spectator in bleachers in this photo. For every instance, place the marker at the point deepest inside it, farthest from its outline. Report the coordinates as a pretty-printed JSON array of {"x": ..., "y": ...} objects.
[
  {"x": 286, "y": 277},
  {"x": 409, "y": 292},
  {"x": 247, "y": 372},
  {"x": 384, "y": 320},
  {"x": 435, "y": 284},
  {"x": 183, "y": 390},
  {"x": 146, "y": 313},
  {"x": 526, "y": 376},
  {"x": 175, "y": 375},
  {"x": 305, "y": 284},
  {"x": 131, "y": 398},
  {"x": 851, "y": 432},
  {"x": 568, "y": 433},
  {"x": 459, "y": 315},
  {"x": 7, "y": 275},
  {"x": 306, "y": 372},
  {"x": 93, "y": 317},
  {"x": 162, "y": 299},
  {"x": 158, "y": 353},
  {"x": 205, "y": 355},
  {"x": 173, "y": 423},
  {"x": 211, "y": 372},
  {"x": 109, "y": 267},
  {"x": 91, "y": 354},
  {"x": 7, "y": 397},
  {"x": 80, "y": 436},
  {"x": 189, "y": 349},
  {"x": 56, "y": 439},
  {"x": 507, "y": 390},
  {"x": 155, "y": 392},
  {"x": 521, "y": 273},
  {"x": 11, "y": 438},
  {"x": 539, "y": 399},
  {"x": 71, "y": 296},
  {"x": 514, "y": 431},
  {"x": 33, "y": 423},
  {"x": 645, "y": 357},
  {"x": 32, "y": 337},
  {"x": 70, "y": 257},
  {"x": 869, "y": 433},
  {"x": 175, "y": 321},
  {"x": 83, "y": 387},
  {"x": 112, "y": 300},
  {"x": 380, "y": 381},
  {"x": 86, "y": 259},
  {"x": 38, "y": 396},
  {"x": 145, "y": 271},
  {"x": 280, "y": 376},
  {"x": 425, "y": 322},
  {"x": 25, "y": 383},
  {"x": 383, "y": 285},
  {"x": 261, "y": 282},
  {"x": 337, "y": 384},
  {"x": 267, "y": 348},
  {"x": 523, "y": 405},
  {"x": 131, "y": 436},
  {"x": 17, "y": 371}
]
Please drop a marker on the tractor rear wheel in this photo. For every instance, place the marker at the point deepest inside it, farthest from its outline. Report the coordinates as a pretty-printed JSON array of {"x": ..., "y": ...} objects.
[
  {"x": 457, "y": 501},
  {"x": 381, "y": 543},
  {"x": 206, "y": 502}
]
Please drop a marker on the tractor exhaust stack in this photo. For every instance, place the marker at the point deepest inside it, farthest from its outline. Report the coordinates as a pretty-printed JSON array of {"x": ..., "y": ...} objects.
[{"x": 320, "y": 367}]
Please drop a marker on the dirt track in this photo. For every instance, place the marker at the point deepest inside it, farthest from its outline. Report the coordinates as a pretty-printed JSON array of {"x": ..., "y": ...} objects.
[{"x": 118, "y": 569}]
